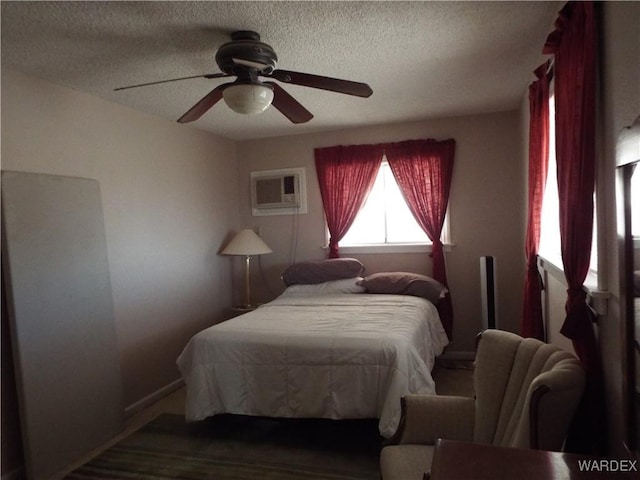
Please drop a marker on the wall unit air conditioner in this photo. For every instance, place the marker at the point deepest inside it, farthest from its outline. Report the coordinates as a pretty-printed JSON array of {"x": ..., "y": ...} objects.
[{"x": 278, "y": 192}]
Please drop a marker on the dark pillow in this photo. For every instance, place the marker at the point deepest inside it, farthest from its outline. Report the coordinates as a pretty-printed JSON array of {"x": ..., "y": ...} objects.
[
  {"x": 321, "y": 271},
  {"x": 405, "y": 283}
]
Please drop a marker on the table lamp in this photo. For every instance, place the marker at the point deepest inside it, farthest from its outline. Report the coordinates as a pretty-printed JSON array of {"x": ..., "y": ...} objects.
[{"x": 246, "y": 243}]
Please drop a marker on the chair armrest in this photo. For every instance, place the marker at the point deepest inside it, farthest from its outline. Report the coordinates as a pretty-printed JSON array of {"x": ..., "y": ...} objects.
[
  {"x": 426, "y": 418},
  {"x": 555, "y": 396}
]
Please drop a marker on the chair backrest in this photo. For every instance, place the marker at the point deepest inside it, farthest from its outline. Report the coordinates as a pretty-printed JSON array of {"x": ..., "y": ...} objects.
[{"x": 526, "y": 391}]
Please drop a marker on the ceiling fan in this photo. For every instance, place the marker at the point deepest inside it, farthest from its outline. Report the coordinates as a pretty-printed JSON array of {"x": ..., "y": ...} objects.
[{"x": 247, "y": 58}]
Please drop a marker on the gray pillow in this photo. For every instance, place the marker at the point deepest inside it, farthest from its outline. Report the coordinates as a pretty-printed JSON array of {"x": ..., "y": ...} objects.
[
  {"x": 321, "y": 271},
  {"x": 405, "y": 283}
]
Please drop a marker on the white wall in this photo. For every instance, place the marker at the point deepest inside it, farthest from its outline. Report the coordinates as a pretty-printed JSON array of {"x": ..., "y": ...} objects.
[
  {"x": 169, "y": 197},
  {"x": 487, "y": 210}
]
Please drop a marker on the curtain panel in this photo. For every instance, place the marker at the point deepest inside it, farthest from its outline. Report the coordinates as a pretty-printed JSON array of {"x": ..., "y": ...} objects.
[
  {"x": 532, "y": 323},
  {"x": 574, "y": 46},
  {"x": 346, "y": 175},
  {"x": 423, "y": 170}
]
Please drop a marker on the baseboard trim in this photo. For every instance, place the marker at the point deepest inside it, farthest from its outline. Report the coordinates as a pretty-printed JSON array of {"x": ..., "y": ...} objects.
[
  {"x": 466, "y": 356},
  {"x": 16, "y": 474},
  {"x": 152, "y": 398}
]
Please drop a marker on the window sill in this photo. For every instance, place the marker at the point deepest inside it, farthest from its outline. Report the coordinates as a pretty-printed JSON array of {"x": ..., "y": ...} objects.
[
  {"x": 597, "y": 298},
  {"x": 395, "y": 248}
]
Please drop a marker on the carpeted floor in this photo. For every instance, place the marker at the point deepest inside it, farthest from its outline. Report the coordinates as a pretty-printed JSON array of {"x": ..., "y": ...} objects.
[
  {"x": 453, "y": 377},
  {"x": 238, "y": 447},
  {"x": 231, "y": 447}
]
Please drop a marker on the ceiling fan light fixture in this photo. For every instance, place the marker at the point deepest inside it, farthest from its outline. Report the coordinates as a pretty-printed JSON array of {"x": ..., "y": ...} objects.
[
  {"x": 248, "y": 99},
  {"x": 248, "y": 59}
]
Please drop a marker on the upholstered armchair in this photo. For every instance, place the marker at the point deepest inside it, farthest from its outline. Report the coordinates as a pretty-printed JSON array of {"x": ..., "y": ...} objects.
[{"x": 526, "y": 393}]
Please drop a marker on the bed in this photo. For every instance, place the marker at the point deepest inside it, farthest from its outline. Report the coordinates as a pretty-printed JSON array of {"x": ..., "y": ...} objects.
[{"x": 331, "y": 350}]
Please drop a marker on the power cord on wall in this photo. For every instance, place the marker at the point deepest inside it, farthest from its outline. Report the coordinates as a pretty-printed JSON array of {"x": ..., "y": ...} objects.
[
  {"x": 295, "y": 226},
  {"x": 264, "y": 280},
  {"x": 294, "y": 236}
]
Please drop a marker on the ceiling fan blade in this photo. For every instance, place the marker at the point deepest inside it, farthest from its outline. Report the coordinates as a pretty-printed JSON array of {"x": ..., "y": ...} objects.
[
  {"x": 208, "y": 75},
  {"x": 324, "y": 83},
  {"x": 203, "y": 105},
  {"x": 289, "y": 106}
]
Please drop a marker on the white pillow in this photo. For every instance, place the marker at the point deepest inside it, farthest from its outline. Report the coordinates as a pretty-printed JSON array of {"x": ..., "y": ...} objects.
[{"x": 345, "y": 285}]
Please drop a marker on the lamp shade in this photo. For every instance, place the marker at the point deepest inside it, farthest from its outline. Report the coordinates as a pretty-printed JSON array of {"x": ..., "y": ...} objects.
[
  {"x": 248, "y": 98},
  {"x": 246, "y": 242}
]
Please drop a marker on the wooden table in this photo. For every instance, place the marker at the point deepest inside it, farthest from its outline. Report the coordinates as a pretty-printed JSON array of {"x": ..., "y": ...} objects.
[{"x": 471, "y": 461}]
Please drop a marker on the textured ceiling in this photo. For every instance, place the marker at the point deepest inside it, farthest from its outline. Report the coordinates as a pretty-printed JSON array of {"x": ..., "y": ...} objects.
[{"x": 422, "y": 59}]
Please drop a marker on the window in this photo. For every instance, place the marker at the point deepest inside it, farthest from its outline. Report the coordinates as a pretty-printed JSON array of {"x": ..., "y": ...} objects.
[
  {"x": 385, "y": 218},
  {"x": 550, "y": 218}
]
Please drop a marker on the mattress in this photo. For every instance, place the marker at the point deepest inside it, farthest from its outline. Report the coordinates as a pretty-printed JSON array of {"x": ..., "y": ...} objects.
[{"x": 340, "y": 356}]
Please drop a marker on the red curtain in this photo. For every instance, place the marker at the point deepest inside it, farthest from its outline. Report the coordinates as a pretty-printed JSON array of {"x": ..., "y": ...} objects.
[
  {"x": 346, "y": 175},
  {"x": 573, "y": 44},
  {"x": 532, "y": 324},
  {"x": 423, "y": 170}
]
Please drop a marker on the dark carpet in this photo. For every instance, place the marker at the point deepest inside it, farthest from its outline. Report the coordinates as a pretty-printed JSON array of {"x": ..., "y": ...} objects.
[{"x": 240, "y": 448}]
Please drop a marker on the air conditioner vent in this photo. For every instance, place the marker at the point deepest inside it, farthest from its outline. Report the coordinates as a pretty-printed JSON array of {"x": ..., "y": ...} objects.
[{"x": 278, "y": 192}]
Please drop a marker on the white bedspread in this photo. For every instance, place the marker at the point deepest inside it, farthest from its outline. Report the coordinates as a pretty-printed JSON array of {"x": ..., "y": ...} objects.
[{"x": 323, "y": 356}]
